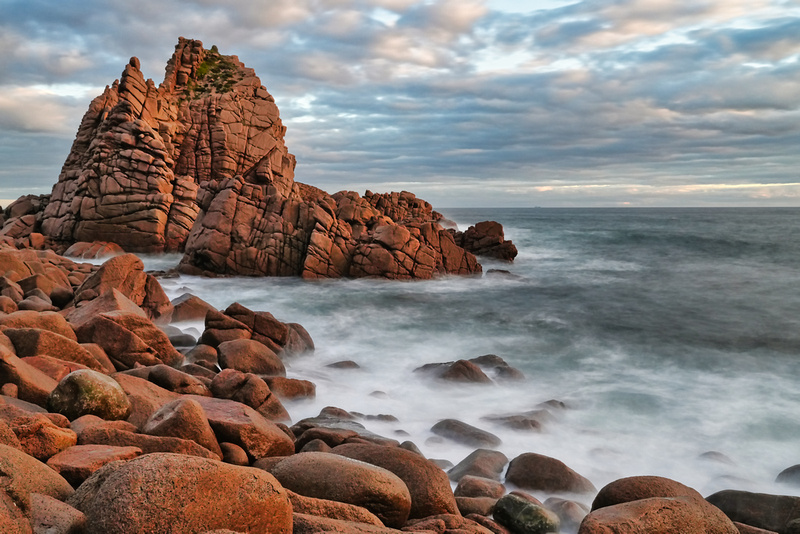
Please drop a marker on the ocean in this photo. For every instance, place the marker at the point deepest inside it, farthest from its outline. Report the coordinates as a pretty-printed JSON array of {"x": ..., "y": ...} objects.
[{"x": 667, "y": 333}]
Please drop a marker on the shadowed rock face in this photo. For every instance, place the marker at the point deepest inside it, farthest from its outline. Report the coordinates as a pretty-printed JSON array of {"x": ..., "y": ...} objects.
[{"x": 199, "y": 165}]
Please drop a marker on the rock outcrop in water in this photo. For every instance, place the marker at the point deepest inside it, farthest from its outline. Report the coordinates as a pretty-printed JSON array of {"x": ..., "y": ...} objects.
[{"x": 199, "y": 165}]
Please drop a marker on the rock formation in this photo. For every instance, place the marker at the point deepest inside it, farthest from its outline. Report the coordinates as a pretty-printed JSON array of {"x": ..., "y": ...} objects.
[{"x": 199, "y": 165}]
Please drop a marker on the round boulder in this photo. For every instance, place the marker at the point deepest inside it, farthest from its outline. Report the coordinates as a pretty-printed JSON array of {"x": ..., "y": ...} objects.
[
  {"x": 250, "y": 356},
  {"x": 427, "y": 483},
  {"x": 174, "y": 493},
  {"x": 88, "y": 392},
  {"x": 329, "y": 476},
  {"x": 522, "y": 516},
  {"x": 538, "y": 472},
  {"x": 658, "y": 515},
  {"x": 641, "y": 487}
]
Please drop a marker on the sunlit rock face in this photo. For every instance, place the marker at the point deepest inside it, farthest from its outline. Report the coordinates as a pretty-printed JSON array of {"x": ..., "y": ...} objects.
[
  {"x": 143, "y": 154},
  {"x": 199, "y": 165}
]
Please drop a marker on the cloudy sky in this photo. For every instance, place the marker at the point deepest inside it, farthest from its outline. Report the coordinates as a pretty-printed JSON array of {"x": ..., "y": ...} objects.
[{"x": 464, "y": 102}]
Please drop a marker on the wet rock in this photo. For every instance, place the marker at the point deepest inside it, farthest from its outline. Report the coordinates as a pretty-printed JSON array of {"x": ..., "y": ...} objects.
[
  {"x": 188, "y": 307},
  {"x": 333, "y": 477},
  {"x": 461, "y": 432},
  {"x": 522, "y": 516},
  {"x": 291, "y": 388},
  {"x": 446, "y": 524},
  {"x": 716, "y": 456},
  {"x": 183, "y": 418},
  {"x": 250, "y": 356},
  {"x": 538, "y": 472},
  {"x": 761, "y": 510},
  {"x": 655, "y": 504},
  {"x": 315, "y": 445},
  {"x": 237, "y": 423},
  {"x": 427, "y": 484},
  {"x": 220, "y": 328},
  {"x": 344, "y": 364},
  {"x": 200, "y": 353},
  {"x": 481, "y": 463},
  {"x": 498, "y": 367},
  {"x": 199, "y": 371},
  {"x": 487, "y": 239},
  {"x": 458, "y": 371},
  {"x": 332, "y": 509},
  {"x": 93, "y": 250},
  {"x": 790, "y": 475},
  {"x": 140, "y": 496},
  {"x": 178, "y": 382},
  {"x": 473, "y": 486},
  {"x": 571, "y": 513},
  {"x": 77, "y": 463},
  {"x": 526, "y": 422},
  {"x": 476, "y": 505},
  {"x": 251, "y": 390},
  {"x": 332, "y": 437},
  {"x": 658, "y": 515},
  {"x": 641, "y": 487}
]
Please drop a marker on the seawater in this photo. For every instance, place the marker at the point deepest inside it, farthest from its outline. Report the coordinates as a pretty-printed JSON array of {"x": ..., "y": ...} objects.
[{"x": 668, "y": 333}]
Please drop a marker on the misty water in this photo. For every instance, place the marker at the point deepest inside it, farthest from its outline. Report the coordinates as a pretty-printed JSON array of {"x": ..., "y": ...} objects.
[{"x": 668, "y": 333}]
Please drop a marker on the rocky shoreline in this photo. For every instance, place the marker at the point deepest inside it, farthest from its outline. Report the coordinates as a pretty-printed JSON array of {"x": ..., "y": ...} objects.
[
  {"x": 112, "y": 420},
  {"x": 105, "y": 426}
]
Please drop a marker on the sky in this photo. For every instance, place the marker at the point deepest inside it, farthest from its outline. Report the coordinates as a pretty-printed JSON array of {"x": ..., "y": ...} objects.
[{"x": 466, "y": 103}]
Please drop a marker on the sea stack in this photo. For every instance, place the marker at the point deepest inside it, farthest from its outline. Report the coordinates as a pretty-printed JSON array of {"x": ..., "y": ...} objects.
[{"x": 199, "y": 165}]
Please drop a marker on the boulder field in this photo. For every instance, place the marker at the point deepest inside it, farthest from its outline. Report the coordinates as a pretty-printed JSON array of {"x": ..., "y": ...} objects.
[
  {"x": 198, "y": 164},
  {"x": 114, "y": 421},
  {"x": 106, "y": 427}
]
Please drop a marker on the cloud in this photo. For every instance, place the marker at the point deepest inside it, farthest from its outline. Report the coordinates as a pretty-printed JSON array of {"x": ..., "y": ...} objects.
[
  {"x": 583, "y": 100},
  {"x": 36, "y": 109}
]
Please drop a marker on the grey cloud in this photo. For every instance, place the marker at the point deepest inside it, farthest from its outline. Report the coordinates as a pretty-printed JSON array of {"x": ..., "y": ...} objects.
[{"x": 669, "y": 114}]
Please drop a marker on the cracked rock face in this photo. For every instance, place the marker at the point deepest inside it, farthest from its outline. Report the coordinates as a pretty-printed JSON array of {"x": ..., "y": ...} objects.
[
  {"x": 144, "y": 153},
  {"x": 199, "y": 165}
]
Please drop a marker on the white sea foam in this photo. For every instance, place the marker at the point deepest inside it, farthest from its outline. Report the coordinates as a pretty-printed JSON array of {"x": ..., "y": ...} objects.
[{"x": 657, "y": 364}]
